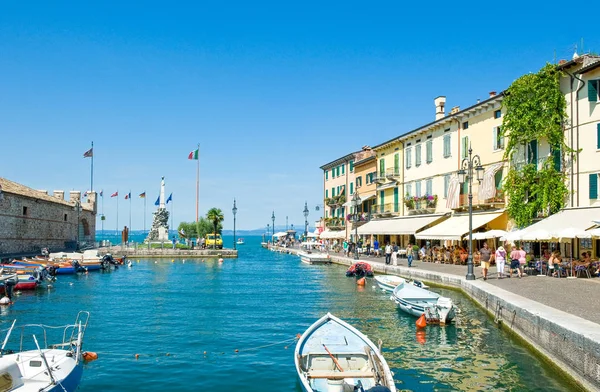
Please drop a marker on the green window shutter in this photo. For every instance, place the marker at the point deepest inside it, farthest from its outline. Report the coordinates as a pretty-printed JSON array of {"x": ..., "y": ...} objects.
[
  {"x": 556, "y": 157},
  {"x": 594, "y": 186},
  {"x": 397, "y": 163},
  {"x": 381, "y": 200},
  {"x": 351, "y": 166},
  {"x": 333, "y": 192},
  {"x": 533, "y": 151},
  {"x": 327, "y": 174},
  {"x": 343, "y": 167},
  {"x": 381, "y": 168},
  {"x": 351, "y": 188},
  {"x": 593, "y": 90},
  {"x": 429, "y": 151},
  {"x": 337, "y": 171},
  {"x": 327, "y": 193},
  {"x": 598, "y": 136},
  {"x": 396, "y": 199}
]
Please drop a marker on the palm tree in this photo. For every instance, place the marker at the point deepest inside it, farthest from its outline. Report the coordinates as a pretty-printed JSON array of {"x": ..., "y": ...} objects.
[{"x": 215, "y": 215}]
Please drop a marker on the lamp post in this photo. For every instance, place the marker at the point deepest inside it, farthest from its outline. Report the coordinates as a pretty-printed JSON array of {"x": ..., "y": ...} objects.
[
  {"x": 77, "y": 207},
  {"x": 273, "y": 219},
  {"x": 305, "y": 221},
  {"x": 355, "y": 203},
  {"x": 466, "y": 174},
  {"x": 234, "y": 211},
  {"x": 268, "y": 230}
]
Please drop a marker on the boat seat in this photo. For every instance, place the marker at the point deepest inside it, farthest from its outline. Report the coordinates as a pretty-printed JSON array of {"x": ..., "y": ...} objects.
[{"x": 339, "y": 375}]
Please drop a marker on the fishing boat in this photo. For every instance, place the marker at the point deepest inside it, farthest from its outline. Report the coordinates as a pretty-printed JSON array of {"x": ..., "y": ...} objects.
[
  {"x": 314, "y": 258},
  {"x": 57, "y": 267},
  {"x": 359, "y": 269},
  {"x": 333, "y": 356},
  {"x": 240, "y": 241},
  {"x": 51, "y": 368},
  {"x": 418, "y": 301},
  {"x": 389, "y": 282}
]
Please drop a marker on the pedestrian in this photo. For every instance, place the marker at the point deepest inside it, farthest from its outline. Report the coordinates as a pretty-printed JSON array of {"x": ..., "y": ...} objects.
[
  {"x": 500, "y": 260},
  {"x": 522, "y": 260},
  {"x": 394, "y": 253},
  {"x": 376, "y": 247},
  {"x": 368, "y": 247},
  {"x": 409, "y": 255},
  {"x": 486, "y": 254},
  {"x": 515, "y": 254},
  {"x": 345, "y": 245},
  {"x": 388, "y": 252}
]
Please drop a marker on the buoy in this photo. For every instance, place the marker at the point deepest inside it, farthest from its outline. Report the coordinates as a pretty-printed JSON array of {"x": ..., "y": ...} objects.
[
  {"x": 360, "y": 282},
  {"x": 137, "y": 356},
  {"x": 421, "y": 322},
  {"x": 205, "y": 353},
  {"x": 421, "y": 337},
  {"x": 172, "y": 261},
  {"x": 89, "y": 356},
  {"x": 298, "y": 336},
  {"x": 237, "y": 351},
  {"x": 220, "y": 260}
]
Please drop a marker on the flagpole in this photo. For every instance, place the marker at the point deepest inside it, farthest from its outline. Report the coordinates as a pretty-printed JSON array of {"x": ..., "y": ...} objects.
[
  {"x": 197, "y": 182},
  {"x": 92, "y": 170},
  {"x": 102, "y": 196},
  {"x": 130, "y": 210},
  {"x": 171, "y": 213},
  {"x": 144, "y": 212},
  {"x": 117, "y": 211}
]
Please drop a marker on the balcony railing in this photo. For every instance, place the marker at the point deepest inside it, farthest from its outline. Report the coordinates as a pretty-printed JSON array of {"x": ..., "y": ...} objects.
[
  {"x": 358, "y": 220},
  {"x": 380, "y": 177},
  {"x": 498, "y": 201},
  {"x": 335, "y": 223},
  {"x": 393, "y": 174},
  {"x": 417, "y": 206},
  {"x": 389, "y": 209},
  {"x": 335, "y": 201}
]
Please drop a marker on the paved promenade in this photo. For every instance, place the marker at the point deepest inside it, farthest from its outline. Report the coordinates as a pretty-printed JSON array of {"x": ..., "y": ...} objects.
[{"x": 579, "y": 297}]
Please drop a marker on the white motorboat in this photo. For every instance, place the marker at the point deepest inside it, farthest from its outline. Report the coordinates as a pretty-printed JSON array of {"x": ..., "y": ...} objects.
[
  {"x": 389, "y": 282},
  {"x": 333, "y": 356},
  {"x": 53, "y": 368},
  {"x": 314, "y": 258},
  {"x": 240, "y": 241},
  {"x": 418, "y": 301}
]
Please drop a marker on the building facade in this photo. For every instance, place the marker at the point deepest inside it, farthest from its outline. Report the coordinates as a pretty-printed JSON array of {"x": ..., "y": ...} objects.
[
  {"x": 338, "y": 186},
  {"x": 31, "y": 220}
]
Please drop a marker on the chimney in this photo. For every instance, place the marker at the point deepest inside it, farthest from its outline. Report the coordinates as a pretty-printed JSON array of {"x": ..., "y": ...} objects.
[
  {"x": 45, "y": 192},
  {"x": 60, "y": 195},
  {"x": 455, "y": 109},
  {"x": 440, "y": 102},
  {"x": 492, "y": 94},
  {"x": 74, "y": 196},
  {"x": 561, "y": 62}
]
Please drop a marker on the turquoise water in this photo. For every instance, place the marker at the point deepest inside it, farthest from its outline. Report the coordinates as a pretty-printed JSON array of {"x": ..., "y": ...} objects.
[{"x": 250, "y": 304}]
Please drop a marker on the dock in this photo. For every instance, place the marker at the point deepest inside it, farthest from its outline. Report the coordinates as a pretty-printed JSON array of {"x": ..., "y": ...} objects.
[{"x": 169, "y": 252}]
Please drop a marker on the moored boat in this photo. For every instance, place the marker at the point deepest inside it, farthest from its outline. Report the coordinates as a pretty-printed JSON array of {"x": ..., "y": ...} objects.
[
  {"x": 359, "y": 269},
  {"x": 240, "y": 241},
  {"x": 314, "y": 258},
  {"x": 333, "y": 356},
  {"x": 418, "y": 301},
  {"x": 389, "y": 282},
  {"x": 54, "y": 368}
]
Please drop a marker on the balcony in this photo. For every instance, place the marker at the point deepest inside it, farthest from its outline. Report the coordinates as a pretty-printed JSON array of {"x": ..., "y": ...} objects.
[
  {"x": 335, "y": 201},
  {"x": 334, "y": 223},
  {"x": 421, "y": 205},
  {"x": 393, "y": 174},
  {"x": 380, "y": 178},
  {"x": 494, "y": 203},
  {"x": 363, "y": 217},
  {"x": 385, "y": 210}
]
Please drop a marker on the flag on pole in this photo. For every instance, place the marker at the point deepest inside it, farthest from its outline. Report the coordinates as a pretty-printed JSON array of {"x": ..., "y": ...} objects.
[
  {"x": 143, "y": 195},
  {"x": 102, "y": 193},
  {"x": 170, "y": 198},
  {"x": 90, "y": 153},
  {"x": 128, "y": 196},
  {"x": 115, "y": 194},
  {"x": 85, "y": 194},
  {"x": 157, "y": 201},
  {"x": 193, "y": 154}
]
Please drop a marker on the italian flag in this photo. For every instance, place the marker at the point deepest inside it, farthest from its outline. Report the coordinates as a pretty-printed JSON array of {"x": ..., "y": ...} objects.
[{"x": 193, "y": 154}]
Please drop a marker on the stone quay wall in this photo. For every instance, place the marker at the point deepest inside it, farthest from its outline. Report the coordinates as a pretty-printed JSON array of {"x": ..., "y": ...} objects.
[
  {"x": 30, "y": 222},
  {"x": 570, "y": 343},
  {"x": 169, "y": 252}
]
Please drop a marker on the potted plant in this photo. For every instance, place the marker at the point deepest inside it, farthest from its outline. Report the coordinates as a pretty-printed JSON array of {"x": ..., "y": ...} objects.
[{"x": 409, "y": 202}]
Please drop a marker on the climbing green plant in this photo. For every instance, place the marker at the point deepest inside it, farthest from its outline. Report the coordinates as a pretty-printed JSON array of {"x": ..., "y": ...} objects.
[{"x": 535, "y": 109}]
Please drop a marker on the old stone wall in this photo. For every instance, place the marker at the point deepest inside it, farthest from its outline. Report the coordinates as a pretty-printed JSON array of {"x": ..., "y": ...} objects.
[{"x": 28, "y": 223}]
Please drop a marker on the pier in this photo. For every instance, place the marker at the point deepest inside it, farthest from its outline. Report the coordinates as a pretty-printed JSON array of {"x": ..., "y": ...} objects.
[
  {"x": 168, "y": 252},
  {"x": 530, "y": 308}
]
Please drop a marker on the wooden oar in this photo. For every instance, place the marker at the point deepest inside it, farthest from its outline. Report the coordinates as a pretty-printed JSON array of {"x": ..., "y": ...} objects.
[{"x": 337, "y": 364}]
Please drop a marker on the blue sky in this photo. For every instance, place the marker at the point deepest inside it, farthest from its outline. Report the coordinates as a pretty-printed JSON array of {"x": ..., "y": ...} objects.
[{"x": 270, "y": 90}]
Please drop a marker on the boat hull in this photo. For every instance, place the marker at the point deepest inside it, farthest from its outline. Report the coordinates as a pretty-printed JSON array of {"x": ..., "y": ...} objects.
[
  {"x": 417, "y": 301},
  {"x": 388, "y": 282},
  {"x": 314, "y": 258}
]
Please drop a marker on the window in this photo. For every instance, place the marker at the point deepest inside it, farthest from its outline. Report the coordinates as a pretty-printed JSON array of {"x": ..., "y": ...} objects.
[
  {"x": 409, "y": 189},
  {"x": 464, "y": 147},
  {"x": 532, "y": 152},
  {"x": 351, "y": 188},
  {"x": 343, "y": 167},
  {"x": 446, "y": 184},
  {"x": 65, "y": 218},
  {"x": 429, "y": 187},
  {"x": 396, "y": 164},
  {"x": 337, "y": 171},
  {"x": 381, "y": 200},
  {"x": 408, "y": 153},
  {"x": 326, "y": 175},
  {"x": 332, "y": 192},
  {"x": 447, "y": 147},
  {"x": 598, "y": 136},
  {"x": 466, "y": 125},
  {"x": 429, "y": 151},
  {"x": 418, "y": 188},
  {"x": 24, "y": 210},
  {"x": 351, "y": 166},
  {"x": 556, "y": 158},
  {"x": 396, "y": 199},
  {"x": 593, "y": 88},
  {"x": 359, "y": 181},
  {"x": 498, "y": 179},
  {"x": 418, "y": 155},
  {"x": 498, "y": 139},
  {"x": 327, "y": 193},
  {"x": 498, "y": 114},
  {"x": 594, "y": 186}
]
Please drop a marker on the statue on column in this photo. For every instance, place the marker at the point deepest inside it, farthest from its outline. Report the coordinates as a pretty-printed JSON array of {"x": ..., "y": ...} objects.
[{"x": 160, "y": 222}]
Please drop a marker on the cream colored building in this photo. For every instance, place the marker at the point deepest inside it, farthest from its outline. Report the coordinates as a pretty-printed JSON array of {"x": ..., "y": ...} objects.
[{"x": 338, "y": 186}]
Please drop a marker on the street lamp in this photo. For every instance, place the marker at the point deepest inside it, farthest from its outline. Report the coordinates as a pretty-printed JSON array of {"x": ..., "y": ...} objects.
[
  {"x": 77, "y": 207},
  {"x": 305, "y": 221},
  {"x": 355, "y": 203},
  {"x": 273, "y": 228},
  {"x": 466, "y": 174},
  {"x": 234, "y": 211},
  {"x": 268, "y": 230}
]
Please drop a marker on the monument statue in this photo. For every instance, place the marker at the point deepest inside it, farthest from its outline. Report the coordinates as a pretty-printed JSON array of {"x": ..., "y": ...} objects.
[{"x": 160, "y": 223}]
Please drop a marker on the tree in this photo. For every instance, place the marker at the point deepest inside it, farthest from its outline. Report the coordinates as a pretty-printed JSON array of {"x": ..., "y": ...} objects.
[
  {"x": 215, "y": 215},
  {"x": 197, "y": 229}
]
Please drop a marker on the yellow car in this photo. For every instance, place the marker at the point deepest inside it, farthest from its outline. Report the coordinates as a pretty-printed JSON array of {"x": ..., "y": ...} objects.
[{"x": 211, "y": 241}]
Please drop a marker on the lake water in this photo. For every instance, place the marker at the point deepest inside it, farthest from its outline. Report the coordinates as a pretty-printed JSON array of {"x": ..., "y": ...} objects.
[{"x": 172, "y": 312}]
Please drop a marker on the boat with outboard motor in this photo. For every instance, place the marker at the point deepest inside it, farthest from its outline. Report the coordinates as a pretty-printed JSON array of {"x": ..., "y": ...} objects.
[
  {"x": 360, "y": 269},
  {"x": 50, "y": 368},
  {"x": 240, "y": 241},
  {"x": 27, "y": 277},
  {"x": 309, "y": 257},
  {"x": 333, "y": 356},
  {"x": 389, "y": 282},
  {"x": 418, "y": 301}
]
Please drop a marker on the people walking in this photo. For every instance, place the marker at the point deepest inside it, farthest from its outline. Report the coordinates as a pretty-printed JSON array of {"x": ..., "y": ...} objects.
[
  {"x": 485, "y": 253},
  {"x": 376, "y": 247},
  {"x": 368, "y": 247},
  {"x": 388, "y": 253},
  {"x": 394, "y": 254},
  {"x": 500, "y": 261},
  {"x": 409, "y": 254},
  {"x": 522, "y": 260},
  {"x": 345, "y": 248},
  {"x": 515, "y": 254}
]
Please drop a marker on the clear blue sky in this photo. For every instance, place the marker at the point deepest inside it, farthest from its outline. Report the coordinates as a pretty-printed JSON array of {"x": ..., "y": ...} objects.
[{"x": 270, "y": 90}]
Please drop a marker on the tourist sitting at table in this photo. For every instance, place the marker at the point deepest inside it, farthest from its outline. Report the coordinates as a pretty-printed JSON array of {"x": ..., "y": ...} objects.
[
  {"x": 422, "y": 253},
  {"x": 554, "y": 263}
]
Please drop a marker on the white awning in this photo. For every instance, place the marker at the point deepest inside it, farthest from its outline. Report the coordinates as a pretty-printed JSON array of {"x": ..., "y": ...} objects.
[
  {"x": 570, "y": 218},
  {"x": 331, "y": 234},
  {"x": 456, "y": 227},
  {"x": 398, "y": 226},
  {"x": 387, "y": 186}
]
